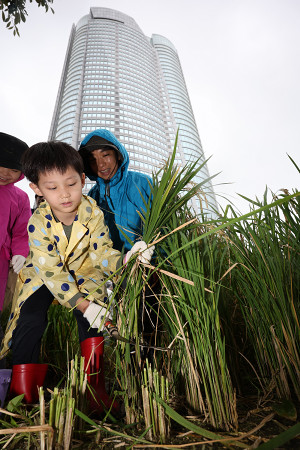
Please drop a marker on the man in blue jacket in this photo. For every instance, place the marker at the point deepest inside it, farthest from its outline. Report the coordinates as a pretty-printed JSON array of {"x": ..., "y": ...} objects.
[{"x": 119, "y": 192}]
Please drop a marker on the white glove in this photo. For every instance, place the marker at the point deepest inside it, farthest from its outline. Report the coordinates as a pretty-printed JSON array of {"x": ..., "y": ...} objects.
[
  {"x": 95, "y": 315},
  {"x": 109, "y": 288},
  {"x": 145, "y": 254},
  {"x": 17, "y": 262}
]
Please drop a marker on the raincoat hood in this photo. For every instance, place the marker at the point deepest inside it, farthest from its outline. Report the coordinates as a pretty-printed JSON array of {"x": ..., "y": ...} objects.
[{"x": 84, "y": 151}]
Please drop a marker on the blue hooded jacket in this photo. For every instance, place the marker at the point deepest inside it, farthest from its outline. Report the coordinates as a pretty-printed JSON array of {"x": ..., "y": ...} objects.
[{"x": 120, "y": 198}]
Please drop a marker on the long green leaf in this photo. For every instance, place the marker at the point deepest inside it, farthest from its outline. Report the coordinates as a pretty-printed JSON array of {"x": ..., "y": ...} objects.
[{"x": 282, "y": 438}]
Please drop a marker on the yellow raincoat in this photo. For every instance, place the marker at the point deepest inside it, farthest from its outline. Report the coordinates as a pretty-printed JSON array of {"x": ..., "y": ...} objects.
[{"x": 66, "y": 268}]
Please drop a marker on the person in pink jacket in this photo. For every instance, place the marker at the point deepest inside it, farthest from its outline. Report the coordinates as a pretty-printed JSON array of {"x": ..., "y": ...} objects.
[{"x": 14, "y": 210}]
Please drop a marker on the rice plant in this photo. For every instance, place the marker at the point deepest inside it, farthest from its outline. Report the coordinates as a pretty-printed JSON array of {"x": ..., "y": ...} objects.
[
  {"x": 192, "y": 312},
  {"x": 62, "y": 325},
  {"x": 185, "y": 310},
  {"x": 267, "y": 286},
  {"x": 156, "y": 421}
]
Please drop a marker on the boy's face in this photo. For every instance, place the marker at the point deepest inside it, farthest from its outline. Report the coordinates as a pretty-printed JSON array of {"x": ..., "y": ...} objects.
[
  {"x": 104, "y": 163},
  {"x": 8, "y": 176},
  {"x": 63, "y": 192}
]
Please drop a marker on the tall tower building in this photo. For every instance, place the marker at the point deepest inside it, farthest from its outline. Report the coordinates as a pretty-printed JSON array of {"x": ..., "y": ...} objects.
[{"x": 117, "y": 78}]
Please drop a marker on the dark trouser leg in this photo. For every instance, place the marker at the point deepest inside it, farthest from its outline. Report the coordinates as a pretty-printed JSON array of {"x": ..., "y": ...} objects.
[
  {"x": 26, "y": 339},
  {"x": 84, "y": 330}
]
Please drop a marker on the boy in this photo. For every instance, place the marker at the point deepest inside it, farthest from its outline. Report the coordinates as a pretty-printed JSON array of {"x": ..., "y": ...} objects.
[{"x": 71, "y": 254}]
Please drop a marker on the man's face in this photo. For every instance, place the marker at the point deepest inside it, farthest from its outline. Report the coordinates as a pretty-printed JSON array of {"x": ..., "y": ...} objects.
[{"x": 104, "y": 163}]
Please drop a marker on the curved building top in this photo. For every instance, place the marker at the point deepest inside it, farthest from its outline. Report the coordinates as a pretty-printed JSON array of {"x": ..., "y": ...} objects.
[
  {"x": 158, "y": 39},
  {"x": 109, "y": 14}
]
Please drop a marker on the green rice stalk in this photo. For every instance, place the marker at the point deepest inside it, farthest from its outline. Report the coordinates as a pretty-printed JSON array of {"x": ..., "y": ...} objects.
[
  {"x": 69, "y": 423},
  {"x": 63, "y": 403},
  {"x": 42, "y": 417},
  {"x": 147, "y": 412},
  {"x": 156, "y": 423},
  {"x": 149, "y": 385},
  {"x": 58, "y": 405},
  {"x": 61, "y": 423}
]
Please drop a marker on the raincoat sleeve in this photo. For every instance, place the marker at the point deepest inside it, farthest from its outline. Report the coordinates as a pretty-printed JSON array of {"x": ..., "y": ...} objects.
[{"x": 19, "y": 234}]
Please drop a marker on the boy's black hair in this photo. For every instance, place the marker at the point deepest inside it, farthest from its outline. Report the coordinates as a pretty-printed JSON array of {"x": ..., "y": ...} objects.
[{"x": 46, "y": 156}]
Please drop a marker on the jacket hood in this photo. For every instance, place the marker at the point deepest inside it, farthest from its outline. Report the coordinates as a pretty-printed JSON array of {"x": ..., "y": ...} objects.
[{"x": 110, "y": 137}]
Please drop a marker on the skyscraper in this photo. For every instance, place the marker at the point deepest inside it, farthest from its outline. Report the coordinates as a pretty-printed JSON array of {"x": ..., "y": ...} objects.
[{"x": 115, "y": 77}]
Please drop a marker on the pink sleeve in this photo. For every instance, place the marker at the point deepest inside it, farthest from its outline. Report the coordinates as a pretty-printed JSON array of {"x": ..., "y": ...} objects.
[{"x": 19, "y": 234}]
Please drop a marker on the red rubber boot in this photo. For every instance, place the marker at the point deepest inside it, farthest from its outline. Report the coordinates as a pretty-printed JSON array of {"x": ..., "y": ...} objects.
[
  {"x": 26, "y": 379},
  {"x": 92, "y": 350}
]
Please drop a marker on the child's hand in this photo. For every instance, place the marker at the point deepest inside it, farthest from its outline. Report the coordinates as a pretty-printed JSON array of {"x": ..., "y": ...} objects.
[
  {"x": 95, "y": 315},
  {"x": 145, "y": 254},
  {"x": 17, "y": 262}
]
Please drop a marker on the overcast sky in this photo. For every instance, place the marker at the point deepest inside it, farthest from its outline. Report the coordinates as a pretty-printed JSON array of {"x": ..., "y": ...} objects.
[{"x": 240, "y": 59}]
